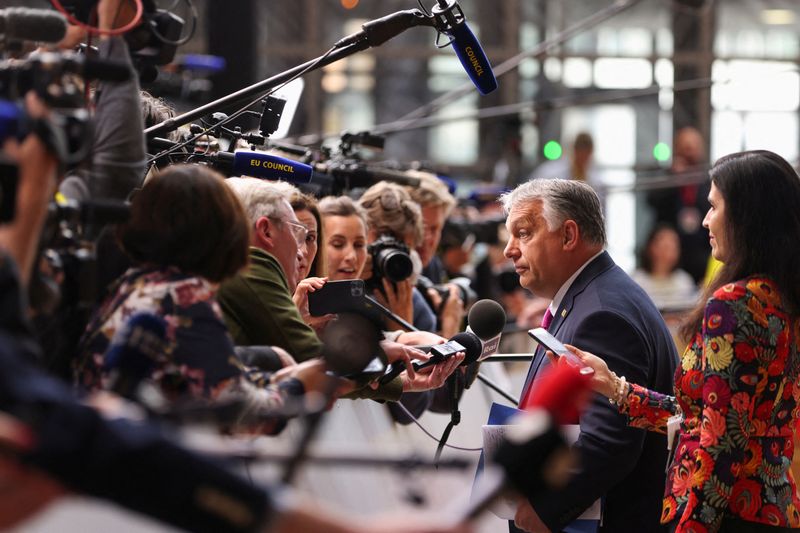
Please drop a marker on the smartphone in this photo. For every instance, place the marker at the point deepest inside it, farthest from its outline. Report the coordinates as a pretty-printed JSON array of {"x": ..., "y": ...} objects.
[
  {"x": 543, "y": 337},
  {"x": 337, "y": 297}
]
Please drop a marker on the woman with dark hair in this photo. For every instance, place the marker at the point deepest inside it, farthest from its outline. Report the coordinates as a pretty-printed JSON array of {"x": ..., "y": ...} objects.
[
  {"x": 670, "y": 287},
  {"x": 737, "y": 385},
  {"x": 187, "y": 233}
]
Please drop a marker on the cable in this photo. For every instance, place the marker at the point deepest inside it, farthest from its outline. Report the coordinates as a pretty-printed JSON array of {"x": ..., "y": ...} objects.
[
  {"x": 241, "y": 110},
  {"x": 414, "y": 419},
  {"x": 93, "y": 30}
]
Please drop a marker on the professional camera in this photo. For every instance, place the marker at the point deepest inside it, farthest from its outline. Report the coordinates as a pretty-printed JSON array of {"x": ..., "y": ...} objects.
[
  {"x": 51, "y": 76},
  {"x": 465, "y": 292},
  {"x": 390, "y": 259},
  {"x": 152, "y": 43}
]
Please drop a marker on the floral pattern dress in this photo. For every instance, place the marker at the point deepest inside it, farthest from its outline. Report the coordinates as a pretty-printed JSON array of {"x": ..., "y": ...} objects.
[
  {"x": 737, "y": 387},
  {"x": 199, "y": 360}
]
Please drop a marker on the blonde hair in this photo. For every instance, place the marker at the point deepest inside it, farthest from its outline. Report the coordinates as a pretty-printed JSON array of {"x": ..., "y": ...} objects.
[
  {"x": 390, "y": 210},
  {"x": 432, "y": 192}
]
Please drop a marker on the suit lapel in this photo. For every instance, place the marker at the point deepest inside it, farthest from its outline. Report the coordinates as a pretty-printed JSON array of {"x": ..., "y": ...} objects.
[{"x": 601, "y": 263}]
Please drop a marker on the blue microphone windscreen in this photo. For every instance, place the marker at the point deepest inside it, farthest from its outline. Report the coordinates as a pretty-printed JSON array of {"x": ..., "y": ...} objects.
[
  {"x": 474, "y": 61},
  {"x": 271, "y": 167}
]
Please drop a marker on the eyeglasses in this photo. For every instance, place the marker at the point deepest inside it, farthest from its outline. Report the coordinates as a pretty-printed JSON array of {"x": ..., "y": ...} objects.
[{"x": 298, "y": 230}]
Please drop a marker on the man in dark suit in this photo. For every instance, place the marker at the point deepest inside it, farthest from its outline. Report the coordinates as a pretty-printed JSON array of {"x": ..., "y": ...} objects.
[{"x": 557, "y": 241}]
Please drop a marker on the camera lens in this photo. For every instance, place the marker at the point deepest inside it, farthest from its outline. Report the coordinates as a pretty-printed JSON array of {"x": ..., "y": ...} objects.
[{"x": 394, "y": 264}]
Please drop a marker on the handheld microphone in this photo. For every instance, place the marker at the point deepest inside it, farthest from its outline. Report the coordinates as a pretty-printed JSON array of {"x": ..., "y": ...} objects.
[
  {"x": 486, "y": 318},
  {"x": 466, "y": 342},
  {"x": 534, "y": 457},
  {"x": 134, "y": 352},
  {"x": 450, "y": 20},
  {"x": 25, "y": 24}
]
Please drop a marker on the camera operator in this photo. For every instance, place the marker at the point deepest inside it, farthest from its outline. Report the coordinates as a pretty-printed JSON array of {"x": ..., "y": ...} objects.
[
  {"x": 436, "y": 203},
  {"x": 118, "y": 149},
  {"x": 50, "y": 440}
]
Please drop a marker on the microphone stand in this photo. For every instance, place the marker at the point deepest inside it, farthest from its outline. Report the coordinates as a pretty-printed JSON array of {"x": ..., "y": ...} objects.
[{"x": 374, "y": 33}]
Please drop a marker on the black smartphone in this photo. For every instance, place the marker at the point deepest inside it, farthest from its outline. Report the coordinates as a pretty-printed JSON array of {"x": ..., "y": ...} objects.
[
  {"x": 337, "y": 297},
  {"x": 543, "y": 337}
]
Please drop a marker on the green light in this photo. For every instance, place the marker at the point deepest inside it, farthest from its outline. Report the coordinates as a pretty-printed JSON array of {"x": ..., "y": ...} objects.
[
  {"x": 552, "y": 150},
  {"x": 662, "y": 152}
]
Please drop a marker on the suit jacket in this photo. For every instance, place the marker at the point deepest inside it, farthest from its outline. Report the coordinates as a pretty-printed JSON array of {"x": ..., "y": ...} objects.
[{"x": 606, "y": 313}]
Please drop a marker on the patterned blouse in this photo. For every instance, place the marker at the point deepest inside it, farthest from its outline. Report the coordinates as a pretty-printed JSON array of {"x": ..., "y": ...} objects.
[
  {"x": 737, "y": 387},
  {"x": 199, "y": 361}
]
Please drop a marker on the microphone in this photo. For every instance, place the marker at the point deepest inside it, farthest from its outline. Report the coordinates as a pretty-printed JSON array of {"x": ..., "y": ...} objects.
[
  {"x": 450, "y": 20},
  {"x": 273, "y": 167},
  {"x": 534, "y": 457},
  {"x": 486, "y": 318},
  {"x": 25, "y": 24},
  {"x": 134, "y": 352},
  {"x": 466, "y": 342}
]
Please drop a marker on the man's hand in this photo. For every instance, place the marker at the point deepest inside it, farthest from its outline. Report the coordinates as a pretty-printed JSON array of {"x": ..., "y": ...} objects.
[
  {"x": 432, "y": 377},
  {"x": 526, "y": 518},
  {"x": 300, "y": 298}
]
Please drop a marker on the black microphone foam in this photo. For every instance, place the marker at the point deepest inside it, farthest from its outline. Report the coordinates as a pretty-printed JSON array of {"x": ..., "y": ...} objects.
[
  {"x": 472, "y": 346},
  {"x": 486, "y": 319},
  {"x": 25, "y": 24}
]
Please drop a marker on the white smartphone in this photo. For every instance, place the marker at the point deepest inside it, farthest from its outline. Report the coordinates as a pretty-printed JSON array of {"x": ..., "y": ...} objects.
[{"x": 543, "y": 337}]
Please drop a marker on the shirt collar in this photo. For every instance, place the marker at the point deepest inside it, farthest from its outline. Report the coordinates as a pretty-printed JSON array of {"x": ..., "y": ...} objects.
[{"x": 567, "y": 284}]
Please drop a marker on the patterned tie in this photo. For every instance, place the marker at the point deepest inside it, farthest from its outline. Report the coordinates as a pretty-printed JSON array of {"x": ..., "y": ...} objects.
[{"x": 547, "y": 319}]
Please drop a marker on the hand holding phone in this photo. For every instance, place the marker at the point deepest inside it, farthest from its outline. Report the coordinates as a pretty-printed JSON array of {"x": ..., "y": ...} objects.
[{"x": 543, "y": 337}]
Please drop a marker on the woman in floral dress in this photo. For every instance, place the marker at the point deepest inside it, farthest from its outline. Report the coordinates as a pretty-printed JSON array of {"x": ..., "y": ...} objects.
[{"x": 737, "y": 388}]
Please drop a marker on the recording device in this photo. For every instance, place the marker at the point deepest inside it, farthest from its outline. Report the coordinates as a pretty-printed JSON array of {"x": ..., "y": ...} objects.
[
  {"x": 533, "y": 457},
  {"x": 391, "y": 259},
  {"x": 134, "y": 352},
  {"x": 466, "y": 342},
  {"x": 336, "y": 297},
  {"x": 152, "y": 43},
  {"x": 67, "y": 132},
  {"x": 464, "y": 286},
  {"x": 450, "y": 20},
  {"x": 487, "y": 319},
  {"x": 26, "y": 24},
  {"x": 543, "y": 337}
]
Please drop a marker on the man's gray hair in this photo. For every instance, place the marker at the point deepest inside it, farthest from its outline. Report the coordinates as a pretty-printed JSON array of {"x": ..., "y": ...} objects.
[
  {"x": 562, "y": 200},
  {"x": 261, "y": 198}
]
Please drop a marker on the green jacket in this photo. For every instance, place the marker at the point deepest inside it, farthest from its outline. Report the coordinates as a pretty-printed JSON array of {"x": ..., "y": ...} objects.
[{"x": 258, "y": 309}]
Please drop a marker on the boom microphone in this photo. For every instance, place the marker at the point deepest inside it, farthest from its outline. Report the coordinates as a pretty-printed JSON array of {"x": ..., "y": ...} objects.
[
  {"x": 25, "y": 24},
  {"x": 450, "y": 20},
  {"x": 273, "y": 167}
]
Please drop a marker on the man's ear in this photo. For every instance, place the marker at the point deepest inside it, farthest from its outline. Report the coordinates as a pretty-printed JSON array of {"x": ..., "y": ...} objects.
[
  {"x": 571, "y": 235},
  {"x": 264, "y": 233}
]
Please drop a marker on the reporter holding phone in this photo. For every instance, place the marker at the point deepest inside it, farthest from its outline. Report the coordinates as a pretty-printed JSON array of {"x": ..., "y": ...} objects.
[
  {"x": 737, "y": 385},
  {"x": 556, "y": 241}
]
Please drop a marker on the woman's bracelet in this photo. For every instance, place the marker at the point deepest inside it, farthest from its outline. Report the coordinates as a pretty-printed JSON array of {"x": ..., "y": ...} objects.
[{"x": 620, "y": 396}]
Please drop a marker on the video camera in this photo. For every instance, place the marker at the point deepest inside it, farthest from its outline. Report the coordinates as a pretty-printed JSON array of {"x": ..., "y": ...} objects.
[{"x": 152, "y": 43}]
